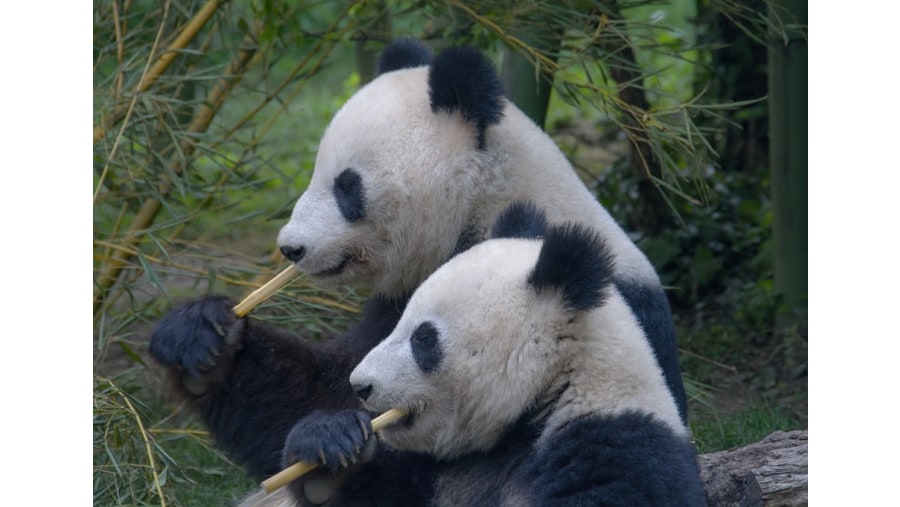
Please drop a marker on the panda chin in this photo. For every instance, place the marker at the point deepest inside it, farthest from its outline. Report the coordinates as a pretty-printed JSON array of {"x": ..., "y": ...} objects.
[{"x": 398, "y": 433}]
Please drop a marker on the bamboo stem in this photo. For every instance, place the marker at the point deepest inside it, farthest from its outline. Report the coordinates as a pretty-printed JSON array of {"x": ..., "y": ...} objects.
[
  {"x": 263, "y": 293},
  {"x": 301, "y": 467},
  {"x": 165, "y": 59}
]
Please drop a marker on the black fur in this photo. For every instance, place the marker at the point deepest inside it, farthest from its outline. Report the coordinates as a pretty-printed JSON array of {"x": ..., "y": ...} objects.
[
  {"x": 520, "y": 220},
  {"x": 576, "y": 262},
  {"x": 651, "y": 307},
  {"x": 624, "y": 460},
  {"x": 469, "y": 237},
  {"x": 426, "y": 348},
  {"x": 192, "y": 336},
  {"x": 328, "y": 438},
  {"x": 393, "y": 478},
  {"x": 350, "y": 195},
  {"x": 272, "y": 380},
  {"x": 463, "y": 79},
  {"x": 403, "y": 54}
]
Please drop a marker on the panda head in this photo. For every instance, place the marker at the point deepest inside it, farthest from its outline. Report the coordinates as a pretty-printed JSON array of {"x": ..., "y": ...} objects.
[
  {"x": 395, "y": 171},
  {"x": 483, "y": 338}
]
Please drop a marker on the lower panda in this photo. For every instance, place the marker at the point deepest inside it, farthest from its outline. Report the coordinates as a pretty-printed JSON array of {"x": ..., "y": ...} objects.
[{"x": 528, "y": 381}]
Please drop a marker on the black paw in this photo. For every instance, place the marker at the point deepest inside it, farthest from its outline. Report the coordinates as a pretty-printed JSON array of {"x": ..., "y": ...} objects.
[
  {"x": 332, "y": 439},
  {"x": 193, "y": 336}
]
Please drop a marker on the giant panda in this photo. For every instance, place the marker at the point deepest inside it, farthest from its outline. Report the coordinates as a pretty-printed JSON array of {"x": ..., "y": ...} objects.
[
  {"x": 528, "y": 380},
  {"x": 412, "y": 170}
]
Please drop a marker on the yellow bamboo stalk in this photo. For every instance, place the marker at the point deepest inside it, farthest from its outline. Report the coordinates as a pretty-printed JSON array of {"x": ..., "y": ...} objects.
[
  {"x": 263, "y": 293},
  {"x": 202, "y": 119},
  {"x": 165, "y": 59},
  {"x": 301, "y": 467}
]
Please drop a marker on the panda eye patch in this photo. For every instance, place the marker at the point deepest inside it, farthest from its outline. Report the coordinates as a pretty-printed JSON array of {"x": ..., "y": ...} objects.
[
  {"x": 426, "y": 348},
  {"x": 350, "y": 195}
]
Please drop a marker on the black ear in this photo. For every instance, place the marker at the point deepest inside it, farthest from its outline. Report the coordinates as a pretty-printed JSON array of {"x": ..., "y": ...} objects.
[
  {"x": 463, "y": 79},
  {"x": 522, "y": 219},
  {"x": 403, "y": 54},
  {"x": 577, "y": 262}
]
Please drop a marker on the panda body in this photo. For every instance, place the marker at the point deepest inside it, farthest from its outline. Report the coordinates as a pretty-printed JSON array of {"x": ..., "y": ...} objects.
[
  {"x": 412, "y": 170},
  {"x": 528, "y": 381}
]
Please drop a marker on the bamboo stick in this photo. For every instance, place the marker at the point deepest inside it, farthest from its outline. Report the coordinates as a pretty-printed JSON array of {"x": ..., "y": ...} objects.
[
  {"x": 301, "y": 467},
  {"x": 265, "y": 292}
]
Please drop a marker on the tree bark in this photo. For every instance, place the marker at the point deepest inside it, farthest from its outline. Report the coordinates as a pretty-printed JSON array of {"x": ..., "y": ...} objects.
[{"x": 770, "y": 473}]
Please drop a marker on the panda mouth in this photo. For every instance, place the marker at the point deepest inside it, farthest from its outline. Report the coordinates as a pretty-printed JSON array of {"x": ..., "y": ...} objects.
[
  {"x": 408, "y": 421},
  {"x": 404, "y": 423},
  {"x": 336, "y": 270}
]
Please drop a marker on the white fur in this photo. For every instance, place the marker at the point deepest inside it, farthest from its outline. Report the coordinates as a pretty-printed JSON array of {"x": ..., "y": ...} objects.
[
  {"x": 425, "y": 182},
  {"x": 502, "y": 355}
]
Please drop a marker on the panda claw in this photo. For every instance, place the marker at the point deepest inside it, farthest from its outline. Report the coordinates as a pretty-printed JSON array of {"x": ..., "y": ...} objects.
[
  {"x": 343, "y": 461},
  {"x": 234, "y": 332},
  {"x": 365, "y": 431},
  {"x": 219, "y": 329},
  {"x": 206, "y": 364},
  {"x": 322, "y": 459}
]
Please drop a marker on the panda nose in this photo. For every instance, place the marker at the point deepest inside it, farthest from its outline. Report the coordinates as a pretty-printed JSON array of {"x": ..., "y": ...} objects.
[
  {"x": 363, "y": 391},
  {"x": 293, "y": 254}
]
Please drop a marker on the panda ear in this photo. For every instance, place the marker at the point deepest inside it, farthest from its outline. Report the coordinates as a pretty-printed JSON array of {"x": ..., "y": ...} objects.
[
  {"x": 522, "y": 219},
  {"x": 403, "y": 54},
  {"x": 463, "y": 79},
  {"x": 577, "y": 263}
]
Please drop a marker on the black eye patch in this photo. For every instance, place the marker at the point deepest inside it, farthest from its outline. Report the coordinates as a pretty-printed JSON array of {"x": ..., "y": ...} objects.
[
  {"x": 350, "y": 195},
  {"x": 426, "y": 348}
]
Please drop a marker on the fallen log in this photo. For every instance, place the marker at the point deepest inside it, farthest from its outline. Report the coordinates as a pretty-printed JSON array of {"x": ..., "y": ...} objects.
[{"x": 770, "y": 473}]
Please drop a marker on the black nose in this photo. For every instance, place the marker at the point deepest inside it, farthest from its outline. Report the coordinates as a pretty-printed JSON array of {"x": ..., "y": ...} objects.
[
  {"x": 363, "y": 391},
  {"x": 293, "y": 254}
]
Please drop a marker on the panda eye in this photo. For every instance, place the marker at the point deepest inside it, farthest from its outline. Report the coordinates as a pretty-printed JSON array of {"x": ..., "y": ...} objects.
[
  {"x": 426, "y": 348},
  {"x": 350, "y": 195}
]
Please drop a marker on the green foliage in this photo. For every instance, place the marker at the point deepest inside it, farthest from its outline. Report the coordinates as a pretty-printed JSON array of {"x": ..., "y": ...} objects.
[
  {"x": 136, "y": 462},
  {"x": 192, "y": 176}
]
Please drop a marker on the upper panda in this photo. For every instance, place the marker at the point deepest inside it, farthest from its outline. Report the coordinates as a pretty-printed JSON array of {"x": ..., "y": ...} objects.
[
  {"x": 412, "y": 170},
  {"x": 419, "y": 163},
  {"x": 527, "y": 379}
]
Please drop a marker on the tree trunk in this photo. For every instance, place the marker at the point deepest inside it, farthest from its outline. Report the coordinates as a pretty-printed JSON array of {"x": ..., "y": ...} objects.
[
  {"x": 525, "y": 83},
  {"x": 789, "y": 163},
  {"x": 771, "y": 473}
]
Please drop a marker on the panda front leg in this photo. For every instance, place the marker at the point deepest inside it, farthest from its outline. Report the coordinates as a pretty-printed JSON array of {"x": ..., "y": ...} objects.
[
  {"x": 248, "y": 382},
  {"x": 338, "y": 442}
]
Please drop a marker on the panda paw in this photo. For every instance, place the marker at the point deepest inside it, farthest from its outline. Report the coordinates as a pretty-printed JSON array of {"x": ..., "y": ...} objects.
[
  {"x": 194, "y": 338},
  {"x": 331, "y": 439}
]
